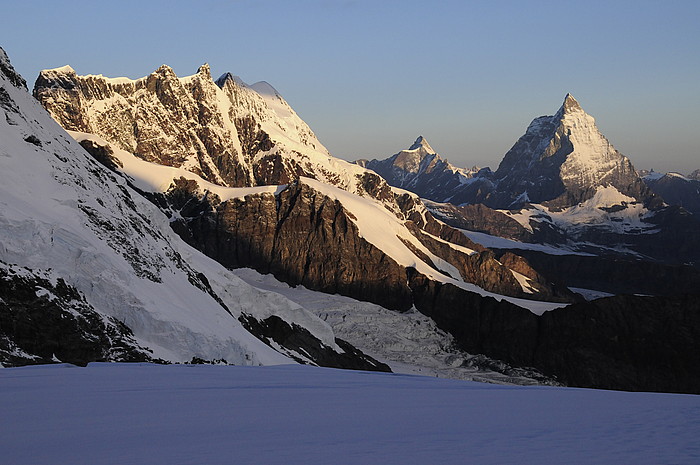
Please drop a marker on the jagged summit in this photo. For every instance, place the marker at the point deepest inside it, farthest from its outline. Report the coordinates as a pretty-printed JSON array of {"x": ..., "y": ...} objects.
[{"x": 204, "y": 70}]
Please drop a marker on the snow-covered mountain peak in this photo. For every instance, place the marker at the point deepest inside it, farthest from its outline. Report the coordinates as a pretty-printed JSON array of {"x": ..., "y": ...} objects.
[
  {"x": 422, "y": 143},
  {"x": 421, "y": 170},
  {"x": 563, "y": 159},
  {"x": 420, "y": 156}
]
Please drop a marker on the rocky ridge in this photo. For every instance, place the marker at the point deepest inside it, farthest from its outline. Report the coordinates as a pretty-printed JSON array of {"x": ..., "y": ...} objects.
[
  {"x": 90, "y": 270},
  {"x": 227, "y": 132}
]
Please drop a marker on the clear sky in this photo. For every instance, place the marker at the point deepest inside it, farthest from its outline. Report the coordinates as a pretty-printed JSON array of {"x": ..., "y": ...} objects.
[{"x": 370, "y": 76}]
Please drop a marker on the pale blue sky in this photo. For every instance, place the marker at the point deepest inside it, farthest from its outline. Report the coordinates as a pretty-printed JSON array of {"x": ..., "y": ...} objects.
[{"x": 370, "y": 76}]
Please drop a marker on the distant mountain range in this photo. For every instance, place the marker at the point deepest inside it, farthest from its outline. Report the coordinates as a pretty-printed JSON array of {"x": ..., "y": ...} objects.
[
  {"x": 562, "y": 184},
  {"x": 675, "y": 188}
]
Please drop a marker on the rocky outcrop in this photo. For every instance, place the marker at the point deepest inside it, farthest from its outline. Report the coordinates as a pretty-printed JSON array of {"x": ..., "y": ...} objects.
[
  {"x": 227, "y": 132},
  {"x": 480, "y": 266},
  {"x": 7, "y": 70},
  {"x": 161, "y": 118},
  {"x": 45, "y": 322},
  {"x": 304, "y": 347},
  {"x": 304, "y": 237}
]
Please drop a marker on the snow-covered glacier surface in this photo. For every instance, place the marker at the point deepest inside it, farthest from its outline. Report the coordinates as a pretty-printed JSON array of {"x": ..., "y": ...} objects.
[{"x": 183, "y": 414}]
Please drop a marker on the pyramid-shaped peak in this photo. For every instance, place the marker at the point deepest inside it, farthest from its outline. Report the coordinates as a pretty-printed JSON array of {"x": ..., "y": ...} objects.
[
  {"x": 570, "y": 105},
  {"x": 421, "y": 143}
]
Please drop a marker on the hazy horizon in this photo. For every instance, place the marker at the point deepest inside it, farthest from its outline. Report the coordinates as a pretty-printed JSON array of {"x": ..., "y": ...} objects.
[{"x": 370, "y": 77}]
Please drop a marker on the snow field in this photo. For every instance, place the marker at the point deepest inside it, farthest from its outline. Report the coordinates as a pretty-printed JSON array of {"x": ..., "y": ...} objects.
[{"x": 183, "y": 414}]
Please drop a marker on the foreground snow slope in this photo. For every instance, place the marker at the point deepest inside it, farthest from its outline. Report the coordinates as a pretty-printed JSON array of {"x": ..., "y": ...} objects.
[{"x": 144, "y": 414}]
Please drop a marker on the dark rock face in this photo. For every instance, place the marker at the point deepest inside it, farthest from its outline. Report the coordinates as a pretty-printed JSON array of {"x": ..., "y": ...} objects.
[
  {"x": 677, "y": 190},
  {"x": 103, "y": 154},
  {"x": 300, "y": 236},
  {"x": 481, "y": 268},
  {"x": 300, "y": 341},
  {"x": 623, "y": 342},
  {"x": 617, "y": 275},
  {"x": 303, "y": 237},
  {"x": 41, "y": 322}
]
